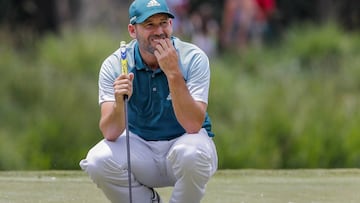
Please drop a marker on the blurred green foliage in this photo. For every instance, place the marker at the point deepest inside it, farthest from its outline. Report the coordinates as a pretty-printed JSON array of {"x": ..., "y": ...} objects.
[{"x": 294, "y": 104}]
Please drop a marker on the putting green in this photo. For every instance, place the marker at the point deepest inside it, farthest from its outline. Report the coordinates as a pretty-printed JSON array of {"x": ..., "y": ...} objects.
[{"x": 227, "y": 186}]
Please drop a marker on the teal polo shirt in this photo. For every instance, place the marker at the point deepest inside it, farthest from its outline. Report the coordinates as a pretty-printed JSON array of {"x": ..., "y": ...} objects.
[{"x": 150, "y": 112}]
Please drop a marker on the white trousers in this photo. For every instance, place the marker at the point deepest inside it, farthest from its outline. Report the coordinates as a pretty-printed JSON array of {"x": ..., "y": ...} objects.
[{"x": 186, "y": 163}]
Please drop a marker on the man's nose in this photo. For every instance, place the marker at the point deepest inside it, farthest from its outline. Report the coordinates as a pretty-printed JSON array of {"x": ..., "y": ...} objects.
[{"x": 158, "y": 29}]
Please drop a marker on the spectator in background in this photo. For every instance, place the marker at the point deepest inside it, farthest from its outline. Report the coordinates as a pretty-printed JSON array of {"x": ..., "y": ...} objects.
[
  {"x": 244, "y": 22},
  {"x": 205, "y": 29},
  {"x": 265, "y": 11},
  {"x": 181, "y": 24},
  {"x": 238, "y": 16}
]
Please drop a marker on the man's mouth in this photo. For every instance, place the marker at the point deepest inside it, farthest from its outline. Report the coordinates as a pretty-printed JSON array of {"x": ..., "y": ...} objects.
[{"x": 157, "y": 39}]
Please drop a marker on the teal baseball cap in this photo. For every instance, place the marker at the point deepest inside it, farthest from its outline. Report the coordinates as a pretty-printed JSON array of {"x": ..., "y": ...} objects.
[{"x": 140, "y": 10}]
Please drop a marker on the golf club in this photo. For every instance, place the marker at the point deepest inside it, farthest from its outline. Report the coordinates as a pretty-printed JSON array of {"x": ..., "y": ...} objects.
[{"x": 124, "y": 70}]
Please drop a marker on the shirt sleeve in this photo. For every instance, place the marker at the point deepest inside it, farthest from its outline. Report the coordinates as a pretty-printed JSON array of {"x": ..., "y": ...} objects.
[
  {"x": 198, "y": 80},
  {"x": 108, "y": 74}
]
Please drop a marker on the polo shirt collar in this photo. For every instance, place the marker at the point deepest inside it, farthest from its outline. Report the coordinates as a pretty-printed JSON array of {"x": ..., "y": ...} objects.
[{"x": 139, "y": 63}]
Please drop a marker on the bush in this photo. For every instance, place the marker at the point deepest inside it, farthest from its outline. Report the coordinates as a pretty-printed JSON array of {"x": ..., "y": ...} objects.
[{"x": 290, "y": 106}]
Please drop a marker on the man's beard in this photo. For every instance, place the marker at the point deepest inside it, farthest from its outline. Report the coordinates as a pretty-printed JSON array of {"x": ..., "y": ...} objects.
[{"x": 150, "y": 48}]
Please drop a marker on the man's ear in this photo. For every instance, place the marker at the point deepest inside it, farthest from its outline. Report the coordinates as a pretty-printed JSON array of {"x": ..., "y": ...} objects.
[{"x": 132, "y": 31}]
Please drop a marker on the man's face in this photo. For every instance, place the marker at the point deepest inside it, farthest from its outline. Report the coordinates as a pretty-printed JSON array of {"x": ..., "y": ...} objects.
[{"x": 158, "y": 26}]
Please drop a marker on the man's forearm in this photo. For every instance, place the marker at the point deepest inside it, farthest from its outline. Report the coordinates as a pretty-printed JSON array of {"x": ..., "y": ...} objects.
[
  {"x": 189, "y": 113},
  {"x": 112, "y": 122}
]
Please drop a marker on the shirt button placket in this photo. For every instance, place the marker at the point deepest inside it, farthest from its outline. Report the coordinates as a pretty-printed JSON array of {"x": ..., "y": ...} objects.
[{"x": 154, "y": 89}]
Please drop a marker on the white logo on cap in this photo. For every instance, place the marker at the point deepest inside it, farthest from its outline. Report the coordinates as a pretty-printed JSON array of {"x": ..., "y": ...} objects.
[{"x": 152, "y": 3}]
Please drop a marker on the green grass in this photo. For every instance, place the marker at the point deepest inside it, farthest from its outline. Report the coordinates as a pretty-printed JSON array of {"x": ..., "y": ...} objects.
[{"x": 227, "y": 186}]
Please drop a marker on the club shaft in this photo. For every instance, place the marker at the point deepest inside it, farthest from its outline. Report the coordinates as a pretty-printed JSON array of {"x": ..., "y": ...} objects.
[
  {"x": 124, "y": 70},
  {"x": 128, "y": 146}
]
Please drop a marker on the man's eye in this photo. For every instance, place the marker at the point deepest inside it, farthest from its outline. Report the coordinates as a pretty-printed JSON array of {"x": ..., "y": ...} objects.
[
  {"x": 149, "y": 25},
  {"x": 164, "y": 23}
]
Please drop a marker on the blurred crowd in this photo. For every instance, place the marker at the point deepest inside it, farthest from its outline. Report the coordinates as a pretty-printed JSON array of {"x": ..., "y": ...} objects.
[
  {"x": 214, "y": 25},
  {"x": 241, "y": 23}
]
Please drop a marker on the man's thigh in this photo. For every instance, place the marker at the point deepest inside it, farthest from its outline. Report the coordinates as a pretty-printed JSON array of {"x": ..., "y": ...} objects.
[
  {"x": 148, "y": 160},
  {"x": 201, "y": 142}
]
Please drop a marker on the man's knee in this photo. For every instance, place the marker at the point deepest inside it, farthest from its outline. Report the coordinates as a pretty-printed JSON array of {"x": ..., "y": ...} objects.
[
  {"x": 190, "y": 161},
  {"x": 94, "y": 166},
  {"x": 102, "y": 168}
]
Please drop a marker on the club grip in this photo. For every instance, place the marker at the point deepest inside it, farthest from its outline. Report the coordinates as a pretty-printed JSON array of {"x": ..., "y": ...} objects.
[{"x": 124, "y": 67}]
